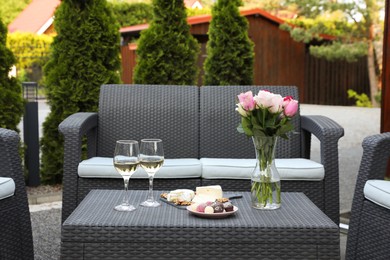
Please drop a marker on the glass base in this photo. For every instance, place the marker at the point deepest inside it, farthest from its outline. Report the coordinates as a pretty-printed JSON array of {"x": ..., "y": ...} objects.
[
  {"x": 150, "y": 203},
  {"x": 124, "y": 207},
  {"x": 267, "y": 207}
]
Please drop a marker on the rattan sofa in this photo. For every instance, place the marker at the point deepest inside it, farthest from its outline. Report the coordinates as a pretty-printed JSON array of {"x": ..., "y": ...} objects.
[
  {"x": 195, "y": 123},
  {"x": 15, "y": 224},
  {"x": 369, "y": 226}
]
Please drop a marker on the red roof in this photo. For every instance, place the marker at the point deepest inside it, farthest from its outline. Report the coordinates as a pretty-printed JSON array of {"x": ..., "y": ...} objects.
[
  {"x": 207, "y": 18},
  {"x": 34, "y": 17}
]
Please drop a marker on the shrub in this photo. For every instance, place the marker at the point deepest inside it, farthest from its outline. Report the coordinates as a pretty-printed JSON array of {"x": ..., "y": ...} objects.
[
  {"x": 167, "y": 53},
  {"x": 131, "y": 14},
  {"x": 362, "y": 100},
  {"x": 230, "y": 54},
  {"x": 11, "y": 101},
  {"x": 31, "y": 52},
  {"x": 84, "y": 55}
]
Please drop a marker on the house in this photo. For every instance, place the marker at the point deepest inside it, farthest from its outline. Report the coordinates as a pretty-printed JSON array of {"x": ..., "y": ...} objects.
[
  {"x": 279, "y": 60},
  {"x": 37, "y": 17},
  {"x": 193, "y": 4}
]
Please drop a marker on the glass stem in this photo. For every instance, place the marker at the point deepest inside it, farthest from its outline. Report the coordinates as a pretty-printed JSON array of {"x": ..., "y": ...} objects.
[
  {"x": 126, "y": 197},
  {"x": 150, "y": 193}
]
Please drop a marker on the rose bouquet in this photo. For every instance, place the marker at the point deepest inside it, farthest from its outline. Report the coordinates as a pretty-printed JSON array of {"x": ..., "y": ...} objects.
[{"x": 265, "y": 117}]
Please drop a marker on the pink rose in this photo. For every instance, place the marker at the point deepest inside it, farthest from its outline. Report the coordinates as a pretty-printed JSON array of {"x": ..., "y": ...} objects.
[
  {"x": 263, "y": 98},
  {"x": 270, "y": 101},
  {"x": 246, "y": 100},
  {"x": 290, "y": 106},
  {"x": 276, "y": 104}
]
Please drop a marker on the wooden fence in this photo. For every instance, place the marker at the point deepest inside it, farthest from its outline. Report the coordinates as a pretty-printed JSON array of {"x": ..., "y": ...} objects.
[{"x": 327, "y": 83}]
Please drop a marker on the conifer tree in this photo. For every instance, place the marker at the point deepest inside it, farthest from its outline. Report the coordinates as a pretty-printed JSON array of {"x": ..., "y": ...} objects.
[
  {"x": 230, "y": 54},
  {"x": 85, "y": 55},
  {"x": 11, "y": 101},
  {"x": 167, "y": 53}
]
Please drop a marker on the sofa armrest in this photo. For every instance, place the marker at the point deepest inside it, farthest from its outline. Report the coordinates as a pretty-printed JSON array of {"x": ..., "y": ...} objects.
[
  {"x": 74, "y": 128},
  {"x": 328, "y": 132}
]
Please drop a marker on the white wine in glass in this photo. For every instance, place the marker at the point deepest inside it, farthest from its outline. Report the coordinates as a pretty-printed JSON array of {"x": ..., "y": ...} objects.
[
  {"x": 126, "y": 162},
  {"x": 152, "y": 159}
]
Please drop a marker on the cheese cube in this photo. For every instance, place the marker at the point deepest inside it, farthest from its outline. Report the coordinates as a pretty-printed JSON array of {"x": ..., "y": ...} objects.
[{"x": 207, "y": 193}]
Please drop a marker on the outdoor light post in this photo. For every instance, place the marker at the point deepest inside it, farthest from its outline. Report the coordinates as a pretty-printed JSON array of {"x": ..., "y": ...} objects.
[{"x": 31, "y": 132}]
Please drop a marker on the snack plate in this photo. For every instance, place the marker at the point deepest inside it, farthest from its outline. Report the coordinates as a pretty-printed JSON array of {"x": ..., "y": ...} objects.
[{"x": 212, "y": 215}]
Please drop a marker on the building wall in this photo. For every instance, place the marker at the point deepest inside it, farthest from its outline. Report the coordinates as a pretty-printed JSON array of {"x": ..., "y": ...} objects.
[{"x": 279, "y": 60}]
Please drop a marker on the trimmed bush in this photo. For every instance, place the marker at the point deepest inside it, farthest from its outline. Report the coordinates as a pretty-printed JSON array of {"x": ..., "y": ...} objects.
[
  {"x": 128, "y": 14},
  {"x": 167, "y": 53},
  {"x": 29, "y": 48},
  {"x": 84, "y": 55},
  {"x": 230, "y": 54},
  {"x": 11, "y": 101},
  {"x": 31, "y": 52}
]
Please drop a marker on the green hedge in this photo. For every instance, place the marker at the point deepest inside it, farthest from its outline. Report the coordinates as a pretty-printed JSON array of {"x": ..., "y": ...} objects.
[
  {"x": 128, "y": 14},
  {"x": 29, "y": 48}
]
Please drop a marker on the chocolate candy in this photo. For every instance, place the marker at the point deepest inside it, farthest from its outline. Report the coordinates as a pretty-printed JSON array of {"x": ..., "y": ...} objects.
[
  {"x": 218, "y": 207},
  {"x": 228, "y": 206}
]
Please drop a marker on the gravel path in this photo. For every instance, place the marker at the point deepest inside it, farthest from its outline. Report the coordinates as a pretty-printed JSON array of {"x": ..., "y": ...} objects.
[
  {"x": 46, "y": 227},
  {"x": 44, "y": 189}
]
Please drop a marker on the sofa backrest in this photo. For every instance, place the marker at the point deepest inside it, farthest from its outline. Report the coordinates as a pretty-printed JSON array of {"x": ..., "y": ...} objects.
[
  {"x": 170, "y": 113},
  {"x": 219, "y": 137}
]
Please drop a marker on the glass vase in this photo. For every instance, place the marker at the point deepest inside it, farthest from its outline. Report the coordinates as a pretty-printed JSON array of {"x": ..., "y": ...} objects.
[{"x": 265, "y": 180}]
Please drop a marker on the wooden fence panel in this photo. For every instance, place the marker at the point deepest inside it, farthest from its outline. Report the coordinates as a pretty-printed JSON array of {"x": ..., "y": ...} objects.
[{"x": 327, "y": 83}]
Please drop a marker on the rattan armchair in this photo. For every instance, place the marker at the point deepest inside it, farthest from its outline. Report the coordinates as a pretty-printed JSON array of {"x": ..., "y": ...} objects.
[
  {"x": 15, "y": 224},
  {"x": 369, "y": 226}
]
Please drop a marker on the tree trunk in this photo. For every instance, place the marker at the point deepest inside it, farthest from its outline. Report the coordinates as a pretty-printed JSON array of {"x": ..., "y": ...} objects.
[{"x": 371, "y": 71}]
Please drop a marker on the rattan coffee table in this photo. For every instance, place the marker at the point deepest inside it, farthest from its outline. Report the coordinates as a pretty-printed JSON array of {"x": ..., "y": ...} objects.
[{"x": 298, "y": 230}]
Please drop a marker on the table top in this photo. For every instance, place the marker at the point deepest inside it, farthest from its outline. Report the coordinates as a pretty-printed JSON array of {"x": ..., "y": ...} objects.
[
  {"x": 97, "y": 209},
  {"x": 298, "y": 230}
]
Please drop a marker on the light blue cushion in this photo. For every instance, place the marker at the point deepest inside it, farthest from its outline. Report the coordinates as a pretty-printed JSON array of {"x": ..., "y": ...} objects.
[
  {"x": 7, "y": 187},
  {"x": 298, "y": 169},
  {"x": 103, "y": 167},
  {"x": 289, "y": 169},
  {"x": 378, "y": 191}
]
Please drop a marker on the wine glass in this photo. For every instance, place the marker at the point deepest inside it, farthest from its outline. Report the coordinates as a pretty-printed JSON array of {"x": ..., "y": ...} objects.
[
  {"x": 126, "y": 162},
  {"x": 152, "y": 158}
]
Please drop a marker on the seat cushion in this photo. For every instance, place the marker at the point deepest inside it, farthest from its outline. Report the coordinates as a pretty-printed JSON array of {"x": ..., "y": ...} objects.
[
  {"x": 378, "y": 191},
  {"x": 103, "y": 167},
  {"x": 7, "y": 187},
  {"x": 289, "y": 169}
]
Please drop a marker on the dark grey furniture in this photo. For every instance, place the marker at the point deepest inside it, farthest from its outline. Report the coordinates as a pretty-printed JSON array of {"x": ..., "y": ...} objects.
[
  {"x": 298, "y": 230},
  {"x": 193, "y": 122},
  {"x": 15, "y": 224},
  {"x": 369, "y": 226}
]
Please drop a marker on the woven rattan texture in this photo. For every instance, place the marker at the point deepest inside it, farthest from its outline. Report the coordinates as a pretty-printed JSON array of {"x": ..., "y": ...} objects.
[
  {"x": 189, "y": 125},
  {"x": 147, "y": 111},
  {"x": 85, "y": 185},
  {"x": 310, "y": 188},
  {"x": 299, "y": 230},
  {"x": 219, "y": 120},
  {"x": 15, "y": 224},
  {"x": 329, "y": 133},
  {"x": 369, "y": 229}
]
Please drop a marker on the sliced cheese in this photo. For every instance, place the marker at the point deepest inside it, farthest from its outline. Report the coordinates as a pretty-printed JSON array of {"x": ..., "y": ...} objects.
[
  {"x": 181, "y": 195},
  {"x": 207, "y": 193}
]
